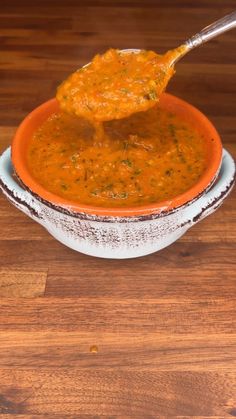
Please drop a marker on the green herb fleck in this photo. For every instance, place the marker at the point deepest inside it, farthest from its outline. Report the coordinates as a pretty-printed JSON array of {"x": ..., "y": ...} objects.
[
  {"x": 169, "y": 172},
  {"x": 127, "y": 162},
  {"x": 95, "y": 192},
  {"x": 109, "y": 186},
  {"x": 89, "y": 107},
  {"x": 64, "y": 186},
  {"x": 151, "y": 95},
  {"x": 124, "y": 90},
  {"x": 123, "y": 195},
  {"x": 73, "y": 158}
]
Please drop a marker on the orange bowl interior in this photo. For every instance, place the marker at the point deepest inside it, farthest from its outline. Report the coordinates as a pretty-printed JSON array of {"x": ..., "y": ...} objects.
[{"x": 171, "y": 103}]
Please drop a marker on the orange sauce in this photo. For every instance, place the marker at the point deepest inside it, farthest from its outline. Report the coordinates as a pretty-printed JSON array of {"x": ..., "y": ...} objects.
[
  {"x": 116, "y": 84},
  {"x": 145, "y": 158}
]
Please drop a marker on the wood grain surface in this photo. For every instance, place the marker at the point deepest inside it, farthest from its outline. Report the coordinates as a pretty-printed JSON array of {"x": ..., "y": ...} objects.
[{"x": 164, "y": 325}]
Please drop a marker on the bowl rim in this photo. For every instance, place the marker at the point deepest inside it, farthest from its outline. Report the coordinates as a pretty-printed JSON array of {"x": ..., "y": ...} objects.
[{"x": 166, "y": 206}]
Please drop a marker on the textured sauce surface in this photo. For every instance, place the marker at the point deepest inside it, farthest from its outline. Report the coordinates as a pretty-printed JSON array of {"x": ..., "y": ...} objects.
[
  {"x": 149, "y": 157},
  {"x": 115, "y": 84}
]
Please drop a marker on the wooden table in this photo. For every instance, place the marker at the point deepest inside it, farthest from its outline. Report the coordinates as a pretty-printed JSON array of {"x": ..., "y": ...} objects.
[{"x": 164, "y": 325}]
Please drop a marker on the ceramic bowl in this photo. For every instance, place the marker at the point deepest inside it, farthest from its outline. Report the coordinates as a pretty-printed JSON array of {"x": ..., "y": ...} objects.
[{"x": 117, "y": 232}]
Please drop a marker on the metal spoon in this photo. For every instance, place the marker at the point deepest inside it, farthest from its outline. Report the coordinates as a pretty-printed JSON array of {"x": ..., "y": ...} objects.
[{"x": 211, "y": 31}]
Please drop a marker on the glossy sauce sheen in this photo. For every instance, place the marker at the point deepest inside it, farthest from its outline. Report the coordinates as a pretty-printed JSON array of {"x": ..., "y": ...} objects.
[
  {"x": 149, "y": 157},
  {"x": 116, "y": 84}
]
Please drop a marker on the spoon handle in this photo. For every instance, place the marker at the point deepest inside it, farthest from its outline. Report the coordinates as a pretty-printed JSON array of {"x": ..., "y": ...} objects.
[{"x": 222, "y": 25}]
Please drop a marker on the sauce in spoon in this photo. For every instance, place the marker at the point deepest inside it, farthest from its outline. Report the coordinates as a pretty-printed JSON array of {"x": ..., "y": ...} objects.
[{"x": 117, "y": 84}]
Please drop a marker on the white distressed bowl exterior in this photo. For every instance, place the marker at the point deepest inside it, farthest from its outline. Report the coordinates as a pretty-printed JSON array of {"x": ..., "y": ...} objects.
[{"x": 117, "y": 237}]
